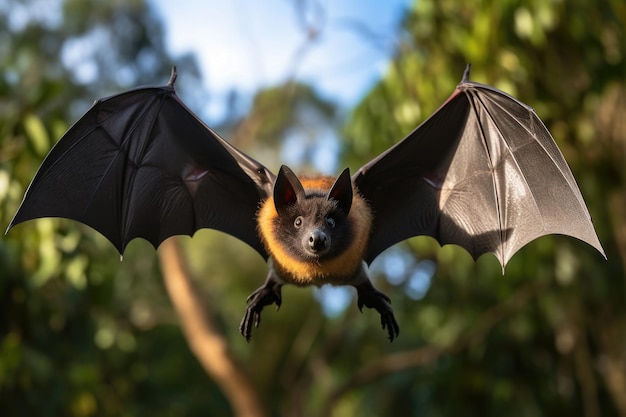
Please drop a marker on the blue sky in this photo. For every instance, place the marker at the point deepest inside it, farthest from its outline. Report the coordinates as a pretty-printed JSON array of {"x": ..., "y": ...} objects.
[{"x": 246, "y": 44}]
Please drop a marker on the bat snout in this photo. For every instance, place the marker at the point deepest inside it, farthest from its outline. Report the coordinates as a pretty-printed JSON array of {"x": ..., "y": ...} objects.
[{"x": 317, "y": 242}]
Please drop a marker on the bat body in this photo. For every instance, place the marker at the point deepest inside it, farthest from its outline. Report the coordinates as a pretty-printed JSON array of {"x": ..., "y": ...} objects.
[
  {"x": 316, "y": 231},
  {"x": 482, "y": 172}
]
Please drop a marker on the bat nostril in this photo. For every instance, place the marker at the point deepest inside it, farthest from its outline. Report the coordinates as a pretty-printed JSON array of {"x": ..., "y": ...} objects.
[{"x": 318, "y": 240}]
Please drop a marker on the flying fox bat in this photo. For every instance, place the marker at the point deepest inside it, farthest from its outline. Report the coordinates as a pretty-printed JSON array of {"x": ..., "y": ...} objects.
[{"x": 482, "y": 172}]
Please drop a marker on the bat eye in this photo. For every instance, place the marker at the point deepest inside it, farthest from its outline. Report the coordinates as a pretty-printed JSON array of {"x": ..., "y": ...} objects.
[
  {"x": 330, "y": 222},
  {"x": 298, "y": 222}
]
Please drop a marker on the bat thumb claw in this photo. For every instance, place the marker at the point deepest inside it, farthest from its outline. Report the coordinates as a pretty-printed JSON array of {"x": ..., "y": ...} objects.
[{"x": 173, "y": 76}]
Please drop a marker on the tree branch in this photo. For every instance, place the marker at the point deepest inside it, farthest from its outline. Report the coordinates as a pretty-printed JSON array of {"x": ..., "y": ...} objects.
[{"x": 203, "y": 336}]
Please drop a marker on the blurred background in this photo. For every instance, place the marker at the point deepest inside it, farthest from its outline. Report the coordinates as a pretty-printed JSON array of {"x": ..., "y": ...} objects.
[{"x": 319, "y": 85}]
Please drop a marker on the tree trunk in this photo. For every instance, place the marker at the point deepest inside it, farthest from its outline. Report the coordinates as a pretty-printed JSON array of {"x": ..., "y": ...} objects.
[{"x": 203, "y": 336}]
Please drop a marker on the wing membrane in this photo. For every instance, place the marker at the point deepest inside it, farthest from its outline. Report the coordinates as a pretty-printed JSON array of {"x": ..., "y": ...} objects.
[
  {"x": 140, "y": 164},
  {"x": 482, "y": 172}
]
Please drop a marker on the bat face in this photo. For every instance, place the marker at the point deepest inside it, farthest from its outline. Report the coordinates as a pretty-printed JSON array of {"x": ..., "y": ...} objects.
[
  {"x": 314, "y": 226},
  {"x": 309, "y": 227}
]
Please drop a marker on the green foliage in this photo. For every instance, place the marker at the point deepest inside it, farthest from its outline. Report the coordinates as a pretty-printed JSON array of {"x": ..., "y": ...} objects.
[
  {"x": 563, "y": 58},
  {"x": 77, "y": 333},
  {"x": 82, "y": 334}
]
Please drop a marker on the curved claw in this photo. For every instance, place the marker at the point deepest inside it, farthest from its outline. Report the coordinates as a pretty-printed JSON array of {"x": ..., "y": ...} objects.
[
  {"x": 370, "y": 297},
  {"x": 389, "y": 321},
  {"x": 269, "y": 293}
]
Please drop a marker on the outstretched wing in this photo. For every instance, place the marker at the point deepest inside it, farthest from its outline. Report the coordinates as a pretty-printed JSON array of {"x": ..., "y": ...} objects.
[
  {"x": 482, "y": 172},
  {"x": 140, "y": 164}
]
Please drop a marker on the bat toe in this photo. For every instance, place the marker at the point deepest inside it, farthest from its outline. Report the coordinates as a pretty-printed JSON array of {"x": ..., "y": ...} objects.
[
  {"x": 370, "y": 297},
  {"x": 269, "y": 293}
]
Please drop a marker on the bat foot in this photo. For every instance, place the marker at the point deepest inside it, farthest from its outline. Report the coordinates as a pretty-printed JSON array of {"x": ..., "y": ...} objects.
[
  {"x": 269, "y": 293},
  {"x": 370, "y": 297}
]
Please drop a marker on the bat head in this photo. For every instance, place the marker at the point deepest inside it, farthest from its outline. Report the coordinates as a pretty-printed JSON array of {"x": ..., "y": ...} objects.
[{"x": 312, "y": 221}]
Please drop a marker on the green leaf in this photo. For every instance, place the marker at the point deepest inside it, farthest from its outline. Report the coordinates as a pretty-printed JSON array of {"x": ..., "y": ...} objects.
[{"x": 37, "y": 134}]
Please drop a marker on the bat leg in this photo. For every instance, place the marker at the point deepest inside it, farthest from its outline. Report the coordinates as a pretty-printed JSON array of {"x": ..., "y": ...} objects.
[
  {"x": 269, "y": 293},
  {"x": 370, "y": 297}
]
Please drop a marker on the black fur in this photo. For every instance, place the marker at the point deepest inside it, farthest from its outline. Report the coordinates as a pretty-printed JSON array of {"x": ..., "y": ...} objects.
[{"x": 315, "y": 212}]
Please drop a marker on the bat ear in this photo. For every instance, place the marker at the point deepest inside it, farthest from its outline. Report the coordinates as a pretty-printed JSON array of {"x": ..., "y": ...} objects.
[
  {"x": 287, "y": 189},
  {"x": 341, "y": 191}
]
